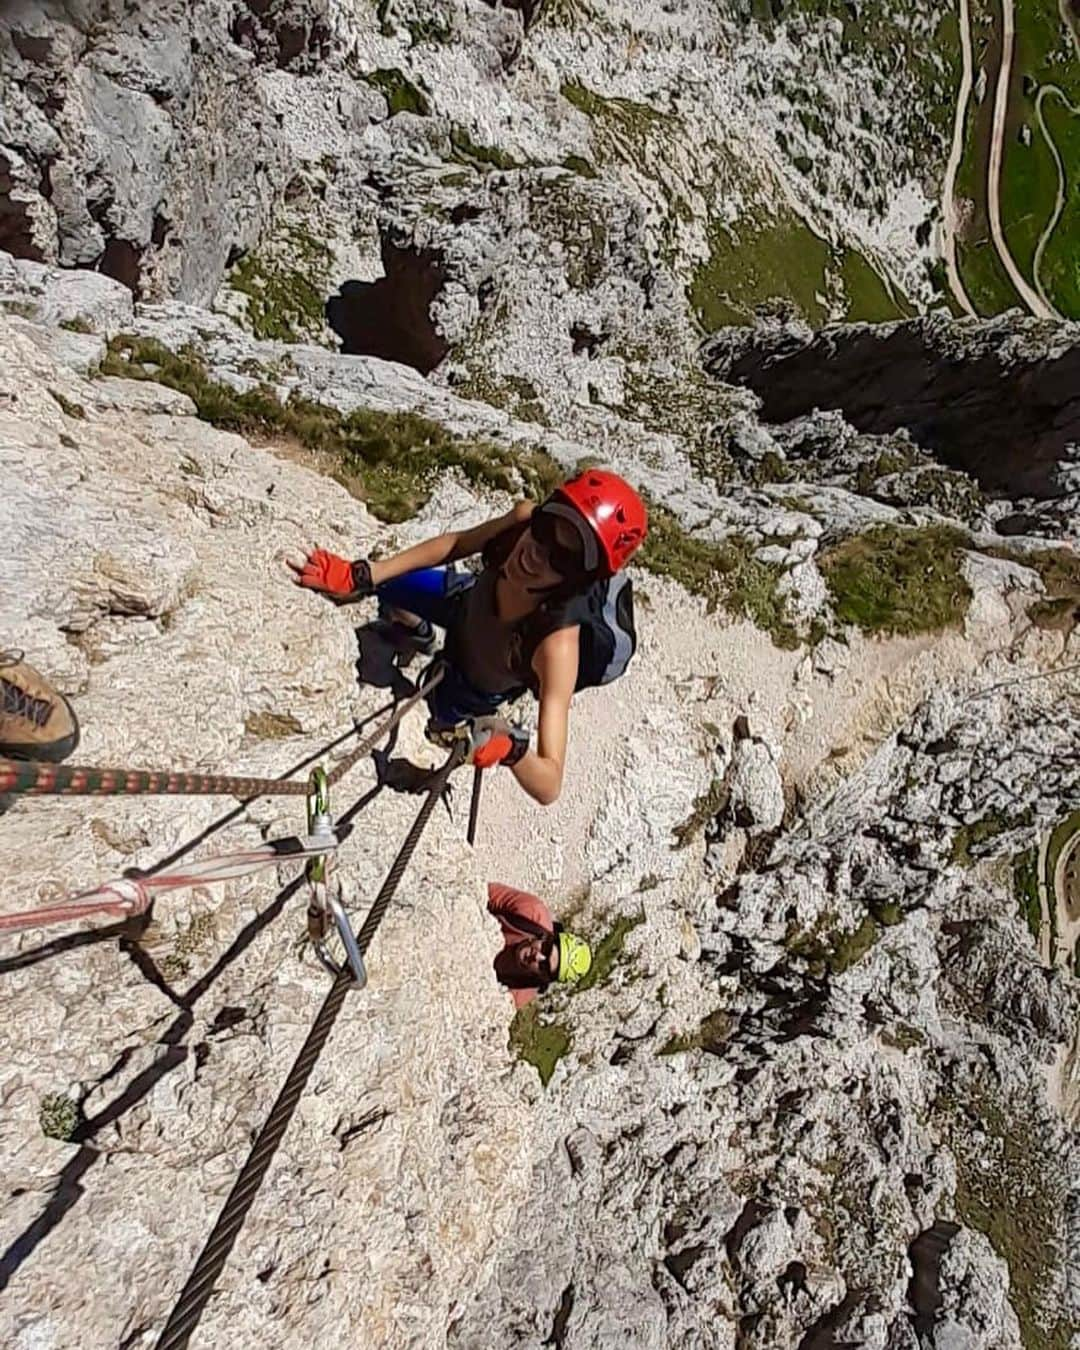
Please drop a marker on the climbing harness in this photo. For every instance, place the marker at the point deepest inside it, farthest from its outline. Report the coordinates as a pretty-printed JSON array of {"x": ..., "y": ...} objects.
[{"x": 211, "y": 1261}]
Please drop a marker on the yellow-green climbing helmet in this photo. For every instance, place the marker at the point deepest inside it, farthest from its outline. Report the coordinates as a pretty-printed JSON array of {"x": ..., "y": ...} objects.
[{"x": 575, "y": 958}]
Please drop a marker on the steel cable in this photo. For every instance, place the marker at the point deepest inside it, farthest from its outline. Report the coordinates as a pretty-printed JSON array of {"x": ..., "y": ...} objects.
[{"x": 211, "y": 1261}]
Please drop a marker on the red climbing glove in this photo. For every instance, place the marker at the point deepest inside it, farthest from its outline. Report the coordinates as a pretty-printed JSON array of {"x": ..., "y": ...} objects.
[
  {"x": 336, "y": 577},
  {"x": 494, "y": 740}
]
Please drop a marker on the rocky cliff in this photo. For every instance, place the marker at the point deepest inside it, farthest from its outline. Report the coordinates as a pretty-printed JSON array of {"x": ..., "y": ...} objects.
[{"x": 823, "y": 1089}]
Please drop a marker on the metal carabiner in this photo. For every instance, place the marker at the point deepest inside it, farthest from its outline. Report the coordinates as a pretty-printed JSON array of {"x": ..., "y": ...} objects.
[
  {"x": 329, "y": 906},
  {"x": 319, "y": 822}
]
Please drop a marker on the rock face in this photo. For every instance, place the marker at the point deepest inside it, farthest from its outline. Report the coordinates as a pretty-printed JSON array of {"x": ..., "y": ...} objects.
[
  {"x": 810, "y": 1028},
  {"x": 161, "y": 146},
  {"x": 820, "y": 1089},
  {"x": 758, "y": 1182},
  {"x": 999, "y": 399}
]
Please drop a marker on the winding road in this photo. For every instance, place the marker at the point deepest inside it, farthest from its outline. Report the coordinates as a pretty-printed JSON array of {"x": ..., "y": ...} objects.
[
  {"x": 1033, "y": 297},
  {"x": 1039, "y": 307},
  {"x": 1063, "y": 181}
]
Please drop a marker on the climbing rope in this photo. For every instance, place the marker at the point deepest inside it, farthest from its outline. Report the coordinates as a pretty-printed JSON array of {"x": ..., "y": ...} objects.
[
  {"x": 37, "y": 779},
  {"x": 127, "y": 896},
  {"x": 211, "y": 1261}
]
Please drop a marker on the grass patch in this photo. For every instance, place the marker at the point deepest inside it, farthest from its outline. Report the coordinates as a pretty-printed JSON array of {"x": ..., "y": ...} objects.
[
  {"x": 286, "y": 286},
  {"x": 711, "y": 1036},
  {"x": 76, "y": 325},
  {"x": 58, "y": 1116},
  {"x": 1059, "y": 570},
  {"x": 628, "y": 132},
  {"x": 869, "y": 300},
  {"x": 892, "y": 580},
  {"x": 725, "y": 574},
  {"x": 707, "y": 806},
  {"x": 512, "y": 393},
  {"x": 776, "y": 257},
  {"x": 608, "y": 951},
  {"x": 578, "y": 164},
  {"x": 1059, "y": 837},
  {"x": 632, "y": 115},
  {"x": 1045, "y": 59},
  {"x": 1025, "y": 870},
  {"x": 1005, "y": 1190},
  {"x": 466, "y": 151},
  {"x": 538, "y": 1043},
  {"x": 400, "y": 93},
  {"x": 1059, "y": 271},
  {"x": 69, "y": 407},
  {"x": 978, "y": 832},
  {"x": 850, "y": 948},
  {"x": 392, "y": 459},
  {"x": 827, "y": 947}
]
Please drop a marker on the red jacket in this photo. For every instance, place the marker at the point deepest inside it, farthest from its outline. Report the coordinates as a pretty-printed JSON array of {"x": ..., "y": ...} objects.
[{"x": 505, "y": 902}]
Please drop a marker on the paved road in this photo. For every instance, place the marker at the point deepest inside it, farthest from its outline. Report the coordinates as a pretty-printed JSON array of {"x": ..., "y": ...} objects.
[
  {"x": 1063, "y": 183},
  {"x": 1030, "y": 297}
]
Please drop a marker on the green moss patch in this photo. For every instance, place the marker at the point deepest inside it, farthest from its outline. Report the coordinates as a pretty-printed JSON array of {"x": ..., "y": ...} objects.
[
  {"x": 1025, "y": 871},
  {"x": 286, "y": 287},
  {"x": 892, "y": 580},
  {"x": 725, "y": 574},
  {"x": 711, "y": 1036},
  {"x": 466, "y": 151},
  {"x": 392, "y": 460},
  {"x": 400, "y": 93},
  {"x": 538, "y": 1043},
  {"x": 608, "y": 951},
  {"x": 58, "y": 1116}
]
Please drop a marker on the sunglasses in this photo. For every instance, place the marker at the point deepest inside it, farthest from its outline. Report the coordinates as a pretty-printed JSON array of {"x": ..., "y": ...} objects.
[{"x": 567, "y": 560}]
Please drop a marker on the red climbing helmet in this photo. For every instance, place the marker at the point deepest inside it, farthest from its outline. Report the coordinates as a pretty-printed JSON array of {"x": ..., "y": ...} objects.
[{"x": 613, "y": 509}]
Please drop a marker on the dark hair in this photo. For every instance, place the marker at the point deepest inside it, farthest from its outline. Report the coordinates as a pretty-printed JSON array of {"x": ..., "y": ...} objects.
[{"x": 516, "y": 978}]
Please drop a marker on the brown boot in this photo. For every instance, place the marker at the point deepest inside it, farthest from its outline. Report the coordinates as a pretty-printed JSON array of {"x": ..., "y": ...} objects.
[{"x": 35, "y": 721}]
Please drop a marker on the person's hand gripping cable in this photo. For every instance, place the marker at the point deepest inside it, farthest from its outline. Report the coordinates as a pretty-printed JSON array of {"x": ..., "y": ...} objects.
[{"x": 494, "y": 740}]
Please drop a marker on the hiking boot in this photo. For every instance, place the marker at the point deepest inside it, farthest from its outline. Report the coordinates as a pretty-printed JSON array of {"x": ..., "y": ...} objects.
[
  {"x": 407, "y": 642},
  {"x": 36, "y": 722}
]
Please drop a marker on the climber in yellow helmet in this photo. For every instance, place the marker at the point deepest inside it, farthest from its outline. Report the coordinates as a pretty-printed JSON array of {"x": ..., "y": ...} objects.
[{"x": 536, "y": 951}]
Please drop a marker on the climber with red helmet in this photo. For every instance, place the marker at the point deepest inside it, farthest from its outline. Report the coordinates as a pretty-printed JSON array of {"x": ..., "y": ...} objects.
[{"x": 548, "y": 613}]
